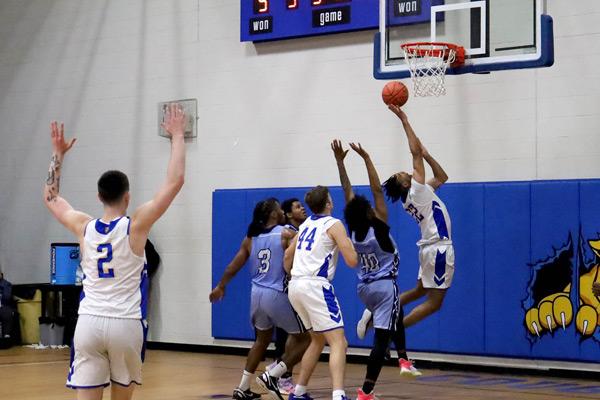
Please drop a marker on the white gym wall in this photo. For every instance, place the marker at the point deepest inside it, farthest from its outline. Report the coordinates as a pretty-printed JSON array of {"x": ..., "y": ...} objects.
[{"x": 267, "y": 114}]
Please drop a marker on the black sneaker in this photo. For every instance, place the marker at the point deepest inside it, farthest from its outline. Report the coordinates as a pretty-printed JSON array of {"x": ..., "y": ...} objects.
[
  {"x": 269, "y": 383},
  {"x": 239, "y": 394}
]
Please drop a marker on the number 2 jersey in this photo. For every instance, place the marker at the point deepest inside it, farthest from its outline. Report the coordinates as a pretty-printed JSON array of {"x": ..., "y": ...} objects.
[
  {"x": 316, "y": 253},
  {"x": 377, "y": 253},
  {"x": 430, "y": 212},
  {"x": 115, "y": 282},
  {"x": 266, "y": 259}
]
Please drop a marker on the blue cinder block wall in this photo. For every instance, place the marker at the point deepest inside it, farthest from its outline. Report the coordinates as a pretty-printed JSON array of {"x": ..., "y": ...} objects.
[{"x": 504, "y": 234}]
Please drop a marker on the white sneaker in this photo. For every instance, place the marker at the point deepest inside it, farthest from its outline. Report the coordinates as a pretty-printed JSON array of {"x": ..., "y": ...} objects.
[
  {"x": 407, "y": 369},
  {"x": 363, "y": 324}
]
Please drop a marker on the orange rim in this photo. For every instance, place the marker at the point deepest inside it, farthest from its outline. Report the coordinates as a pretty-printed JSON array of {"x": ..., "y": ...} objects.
[{"x": 442, "y": 51}]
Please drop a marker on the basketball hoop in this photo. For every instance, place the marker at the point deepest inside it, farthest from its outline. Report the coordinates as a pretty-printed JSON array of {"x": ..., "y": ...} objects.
[{"x": 428, "y": 62}]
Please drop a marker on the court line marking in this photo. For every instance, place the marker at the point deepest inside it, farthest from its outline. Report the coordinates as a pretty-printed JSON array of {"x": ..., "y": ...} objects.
[{"x": 18, "y": 364}]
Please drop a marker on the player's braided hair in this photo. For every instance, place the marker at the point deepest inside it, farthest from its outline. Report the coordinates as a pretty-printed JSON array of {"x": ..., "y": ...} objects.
[
  {"x": 260, "y": 216},
  {"x": 394, "y": 190}
]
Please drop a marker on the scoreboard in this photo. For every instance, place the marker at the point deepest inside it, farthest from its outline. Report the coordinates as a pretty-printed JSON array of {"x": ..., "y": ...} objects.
[{"x": 263, "y": 20}]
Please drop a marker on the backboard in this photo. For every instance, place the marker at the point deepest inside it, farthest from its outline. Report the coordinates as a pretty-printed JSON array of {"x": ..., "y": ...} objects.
[{"x": 496, "y": 34}]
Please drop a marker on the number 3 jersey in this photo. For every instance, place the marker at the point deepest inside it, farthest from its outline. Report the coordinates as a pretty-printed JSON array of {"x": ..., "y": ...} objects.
[
  {"x": 266, "y": 259},
  {"x": 430, "y": 213},
  {"x": 316, "y": 253},
  {"x": 115, "y": 279}
]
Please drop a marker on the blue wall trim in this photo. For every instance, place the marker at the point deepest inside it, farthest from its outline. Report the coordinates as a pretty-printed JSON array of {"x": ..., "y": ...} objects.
[{"x": 525, "y": 256}]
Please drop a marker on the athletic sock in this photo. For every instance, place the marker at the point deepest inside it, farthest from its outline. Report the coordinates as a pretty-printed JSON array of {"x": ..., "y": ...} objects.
[
  {"x": 278, "y": 370},
  {"x": 245, "y": 383},
  {"x": 299, "y": 390},
  {"x": 368, "y": 387},
  {"x": 338, "y": 394}
]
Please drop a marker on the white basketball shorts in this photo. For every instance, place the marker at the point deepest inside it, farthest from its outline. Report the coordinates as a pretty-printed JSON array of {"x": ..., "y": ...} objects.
[
  {"x": 106, "y": 350},
  {"x": 437, "y": 265},
  {"x": 315, "y": 302}
]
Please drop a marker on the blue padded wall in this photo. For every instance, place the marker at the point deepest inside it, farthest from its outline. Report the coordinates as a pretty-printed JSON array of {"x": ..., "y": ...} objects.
[{"x": 517, "y": 245}]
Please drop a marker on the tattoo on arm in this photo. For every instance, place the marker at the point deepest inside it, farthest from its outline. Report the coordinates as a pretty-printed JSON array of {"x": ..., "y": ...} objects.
[{"x": 53, "y": 180}]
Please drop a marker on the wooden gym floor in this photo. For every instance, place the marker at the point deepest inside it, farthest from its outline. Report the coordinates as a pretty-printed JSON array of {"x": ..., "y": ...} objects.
[{"x": 27, "y": 374}]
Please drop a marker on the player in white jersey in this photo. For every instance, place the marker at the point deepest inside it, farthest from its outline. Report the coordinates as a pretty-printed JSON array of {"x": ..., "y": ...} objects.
[
  {"x": 436, "y": 253},
  {"x": 312, "y": 258},
  {"x": 108, "y": 345}
]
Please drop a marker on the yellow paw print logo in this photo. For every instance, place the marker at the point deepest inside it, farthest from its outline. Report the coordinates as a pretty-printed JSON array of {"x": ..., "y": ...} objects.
[{"x": 556, "y": 311}]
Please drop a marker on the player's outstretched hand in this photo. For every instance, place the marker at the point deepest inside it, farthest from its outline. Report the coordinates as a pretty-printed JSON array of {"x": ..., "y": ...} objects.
[
  {"x": 217, "y": 294},
  {"x": 398, "y": 111},
  {"x": 175, "y": 120},
  {"x": 338, "y": 150},
  {"x": 57, "y": 135},
  {"x": 359, "y": 149}
]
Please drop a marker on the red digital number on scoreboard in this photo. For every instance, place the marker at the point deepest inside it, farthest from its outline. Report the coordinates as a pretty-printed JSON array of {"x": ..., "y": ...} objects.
[
  {"x": 261, "y": 6},
  {"x": 292, "y": 4}
]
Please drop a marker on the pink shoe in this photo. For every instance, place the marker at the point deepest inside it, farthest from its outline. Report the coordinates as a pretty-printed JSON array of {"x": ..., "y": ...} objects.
[
  {"x": 286, "y": 386},
  {"x": 407, "y": 369},
  {"x": 362, "y": 396}
]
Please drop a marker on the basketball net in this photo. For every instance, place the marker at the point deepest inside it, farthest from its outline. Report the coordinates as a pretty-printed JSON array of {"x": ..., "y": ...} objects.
[{"x": 428, "y": 63}]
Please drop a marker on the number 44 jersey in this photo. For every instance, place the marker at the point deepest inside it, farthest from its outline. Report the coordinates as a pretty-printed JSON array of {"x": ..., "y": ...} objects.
[
  {"x": 115, "y": 282},
  {"x": 316, "y": 253}
]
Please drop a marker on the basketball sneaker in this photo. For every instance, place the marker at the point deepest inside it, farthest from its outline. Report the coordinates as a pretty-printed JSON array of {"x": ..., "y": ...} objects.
[
  {"x": 364, "y": 323},
  {"x": 407, "y": 369},
  {"x": 305, "y": 396},
  {"x": 239, "y": 394},
  {"x": 269, "y": 383},
  {"x": 286, "y": 386},
  {"x": 363, "y": 396}
]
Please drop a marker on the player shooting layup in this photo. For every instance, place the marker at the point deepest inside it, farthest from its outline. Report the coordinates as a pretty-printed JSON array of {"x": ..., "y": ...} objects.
[
  {"x": 436, "y": 253},
  {"x": 110, "y": 332}
]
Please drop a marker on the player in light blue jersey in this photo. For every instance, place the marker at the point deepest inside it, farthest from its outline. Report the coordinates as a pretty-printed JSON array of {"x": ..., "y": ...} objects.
[
  {"x": 436, "y": 251},
  {"x": 295, "y": 215},
  {"x": 264, "y": 247},
  {"x": 379, "y": 258}
]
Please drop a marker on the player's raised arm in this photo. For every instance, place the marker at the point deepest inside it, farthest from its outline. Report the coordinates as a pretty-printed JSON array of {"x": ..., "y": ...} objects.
[
  {"x": 416, "y": 149},
  {"x": 148, "y": 213},
  {"x": 72, "y": 219},
  {"x": 232, "y": 269},
  {"x": 339, "y": 153},
  {"x": 338, "y": 233},
  {"x": 439, "y": 175},
  {"x": 288, "y": 257},
  {"x": 380, "y": 206}
]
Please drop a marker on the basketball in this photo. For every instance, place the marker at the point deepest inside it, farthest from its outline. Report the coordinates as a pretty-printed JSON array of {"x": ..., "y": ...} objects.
[{"x": 395, "y": 93}]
